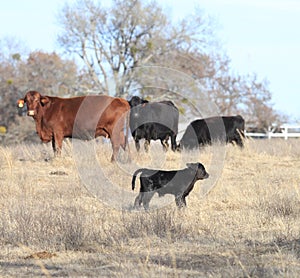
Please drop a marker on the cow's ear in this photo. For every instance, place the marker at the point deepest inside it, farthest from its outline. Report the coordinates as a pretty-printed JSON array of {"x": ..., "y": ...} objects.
[
  {"x": 44, "y": 100},
  {"x": 192, "y": 165}
]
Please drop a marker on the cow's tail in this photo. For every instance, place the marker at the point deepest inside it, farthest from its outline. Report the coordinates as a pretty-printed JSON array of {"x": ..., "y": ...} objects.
[
  {"x": 134, "y": 177},
  {"x": 126, "y": 144},
  {"x": 127, "y": 129}
]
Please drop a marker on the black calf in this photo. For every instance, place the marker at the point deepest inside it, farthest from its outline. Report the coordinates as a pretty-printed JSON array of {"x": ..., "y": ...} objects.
[{"x": 179, "y": 183}]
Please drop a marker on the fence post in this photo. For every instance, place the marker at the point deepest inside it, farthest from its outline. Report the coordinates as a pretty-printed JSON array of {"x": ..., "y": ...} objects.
[
  {"x": 269, "y": 132},
  {"x": 285, "y": 132}
]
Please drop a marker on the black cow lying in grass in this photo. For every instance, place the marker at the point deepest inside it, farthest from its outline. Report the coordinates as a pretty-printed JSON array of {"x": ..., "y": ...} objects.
[{"x": 179, "y": 183}]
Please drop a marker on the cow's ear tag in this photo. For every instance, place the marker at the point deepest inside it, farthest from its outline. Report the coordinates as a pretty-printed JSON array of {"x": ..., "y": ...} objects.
[{"x": 21, "y": 103}]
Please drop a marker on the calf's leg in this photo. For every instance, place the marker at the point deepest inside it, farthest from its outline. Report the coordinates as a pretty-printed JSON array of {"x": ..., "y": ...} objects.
[
  {"x": 147, "y": 196},
  {"x": 147, "y": 145},
  {"x": 138, "y": 200},
  {"x": 165, "y": 144}
]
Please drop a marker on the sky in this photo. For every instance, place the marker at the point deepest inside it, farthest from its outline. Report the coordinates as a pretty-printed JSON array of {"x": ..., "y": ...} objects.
[{"x": 259, "y": 36}]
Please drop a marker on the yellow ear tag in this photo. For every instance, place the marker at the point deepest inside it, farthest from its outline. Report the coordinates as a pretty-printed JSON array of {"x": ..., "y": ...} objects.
[{"x": 21, "y": 103}]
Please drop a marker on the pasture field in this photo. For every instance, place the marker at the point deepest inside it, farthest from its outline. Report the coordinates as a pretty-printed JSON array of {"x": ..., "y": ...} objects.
[{"x": 53, "y": 225}]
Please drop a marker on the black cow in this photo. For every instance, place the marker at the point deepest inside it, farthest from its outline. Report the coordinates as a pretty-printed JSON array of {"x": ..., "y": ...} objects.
[
  {"x": 204, "y": 131},
  {"x": 179, "y": 183},
  {"x": 153, "y": 121}
]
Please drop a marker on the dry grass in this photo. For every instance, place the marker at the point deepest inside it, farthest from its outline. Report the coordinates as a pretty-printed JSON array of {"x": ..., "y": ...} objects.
[{"x": 52, "y": 222}]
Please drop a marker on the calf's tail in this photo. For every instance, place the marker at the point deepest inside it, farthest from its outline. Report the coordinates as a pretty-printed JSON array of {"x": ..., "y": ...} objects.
[{"x": 134, "y": 177}]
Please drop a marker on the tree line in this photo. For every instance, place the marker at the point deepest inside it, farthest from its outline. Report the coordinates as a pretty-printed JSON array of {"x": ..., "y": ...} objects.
[{"x": 134, "y": 47}]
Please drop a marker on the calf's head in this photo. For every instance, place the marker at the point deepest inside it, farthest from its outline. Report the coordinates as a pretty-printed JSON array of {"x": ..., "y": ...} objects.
[
  {"x": 34, "y": 101},
  {"x": 199, "y": 169}
]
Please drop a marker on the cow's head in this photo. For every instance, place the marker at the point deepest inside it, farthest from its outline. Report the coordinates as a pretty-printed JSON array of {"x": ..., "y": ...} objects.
[
  {"x": 201, "y": 173},
  {"x": 34, "y": 101},
  {"x": 135, "y": 101}
]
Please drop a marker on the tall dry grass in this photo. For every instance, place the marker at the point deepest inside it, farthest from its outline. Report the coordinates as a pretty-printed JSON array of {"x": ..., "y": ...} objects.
[{"x": 248, "y": 225}]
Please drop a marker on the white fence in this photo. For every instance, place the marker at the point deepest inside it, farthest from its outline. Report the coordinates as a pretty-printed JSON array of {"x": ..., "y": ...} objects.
[{"x": 286, "y": 131}]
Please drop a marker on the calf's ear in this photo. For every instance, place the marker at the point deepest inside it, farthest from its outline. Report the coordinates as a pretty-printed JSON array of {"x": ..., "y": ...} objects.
[{"x": 44, "y": 100}]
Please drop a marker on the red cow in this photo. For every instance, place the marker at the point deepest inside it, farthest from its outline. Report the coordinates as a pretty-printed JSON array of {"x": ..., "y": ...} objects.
[{"x": 84, "y": 117}]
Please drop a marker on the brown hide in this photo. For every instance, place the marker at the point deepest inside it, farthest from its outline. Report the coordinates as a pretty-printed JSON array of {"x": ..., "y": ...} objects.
[{"x": 85, "y": 117}]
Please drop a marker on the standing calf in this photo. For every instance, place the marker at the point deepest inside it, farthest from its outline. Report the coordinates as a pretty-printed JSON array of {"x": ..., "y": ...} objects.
[{"x": 179, "y": 183}]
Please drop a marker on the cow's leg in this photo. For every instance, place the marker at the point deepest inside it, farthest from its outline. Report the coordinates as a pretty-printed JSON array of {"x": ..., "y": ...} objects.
[
  {"x": 137, "y": 145},
  {"x": 235, "y": 140},
  {"x": 115, "y": 142},
  {"x": 147, "y": 145},
  {"x": 123, "y": 140},
  {"x": 125, "y": 144},
  {"x": 173, "y": 142},
  {"x": 123, "y": 132},
  {"x": 53, "y": 145},
  {"x": 57, "y": 141},
  {"x": 115, "y": 147},
  {"x": 180, "y": 201},
  {"x": 239, "y": 141}
]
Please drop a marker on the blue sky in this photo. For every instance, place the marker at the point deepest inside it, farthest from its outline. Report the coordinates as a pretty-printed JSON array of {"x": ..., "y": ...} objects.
[{"x": 261, "y": 36}]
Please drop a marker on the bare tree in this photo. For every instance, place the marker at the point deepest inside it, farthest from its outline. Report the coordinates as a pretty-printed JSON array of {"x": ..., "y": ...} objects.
[
  {"x": 114, "y": 41},
  {"x": 47, "y": 73},
  {"x": 258, "y": 107},
  {"x": 131, "y": 44}
]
